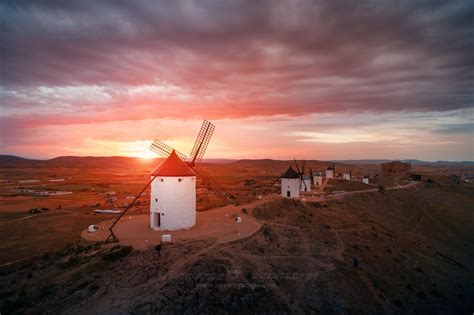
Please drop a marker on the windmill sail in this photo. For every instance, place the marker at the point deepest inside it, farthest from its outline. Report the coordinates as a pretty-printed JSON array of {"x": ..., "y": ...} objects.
[
  {"x": 202, "y": 141},
  {"x": 300, "y": 173},
  {"x": 216, "y": 188},
  {"x": 164, "y": 150}
]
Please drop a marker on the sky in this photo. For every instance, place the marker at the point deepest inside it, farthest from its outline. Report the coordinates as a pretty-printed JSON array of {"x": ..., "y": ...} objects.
[{"x": 279, "y": 79}]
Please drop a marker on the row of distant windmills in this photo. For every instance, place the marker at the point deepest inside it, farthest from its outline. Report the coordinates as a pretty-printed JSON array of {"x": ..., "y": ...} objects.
[{"x": 295, "y": 181}]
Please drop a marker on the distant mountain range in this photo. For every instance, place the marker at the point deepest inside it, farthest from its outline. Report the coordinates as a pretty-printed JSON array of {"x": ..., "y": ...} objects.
[
  {"x": 412, "y": 161},
  {"x": 7, "y": 161}
]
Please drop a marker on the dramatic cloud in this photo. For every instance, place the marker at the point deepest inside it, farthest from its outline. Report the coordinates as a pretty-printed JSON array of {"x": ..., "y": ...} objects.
[{"x": 68, "y": 64}]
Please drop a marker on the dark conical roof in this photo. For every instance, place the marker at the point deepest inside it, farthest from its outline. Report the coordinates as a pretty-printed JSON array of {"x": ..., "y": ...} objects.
[
  {"x": 290, "y": 173},
  {"x": 173, "y": 166}
]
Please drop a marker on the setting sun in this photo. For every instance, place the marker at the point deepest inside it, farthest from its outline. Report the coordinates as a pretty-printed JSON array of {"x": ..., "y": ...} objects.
[
  {"x": 140, "y": 149},
  {"x": 146, "y": 155}
]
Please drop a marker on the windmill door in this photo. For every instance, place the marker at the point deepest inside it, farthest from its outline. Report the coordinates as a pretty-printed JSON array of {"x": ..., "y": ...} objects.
[
  {"x": 157, "y": 219},
  {"x": 288, "y": 193}
]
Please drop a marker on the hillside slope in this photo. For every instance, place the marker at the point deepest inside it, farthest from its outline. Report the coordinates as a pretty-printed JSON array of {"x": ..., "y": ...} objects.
[{"x": 413, "y": 249}]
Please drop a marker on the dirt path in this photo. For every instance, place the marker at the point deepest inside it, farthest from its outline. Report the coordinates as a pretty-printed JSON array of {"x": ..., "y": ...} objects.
[
  {"x": 18, "y": 260},
  {"x": 420, "y": 220},
  {"x": 349, "y": 193},
  {"x": 339, "y": 251}
]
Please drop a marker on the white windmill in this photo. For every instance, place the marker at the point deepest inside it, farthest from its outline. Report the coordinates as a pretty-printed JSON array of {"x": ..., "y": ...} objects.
[
  {"x": 173, "y": 195},
  {"x": 290, "y": 183},
  {"x": 347, "y": 175},
  {"x": 330, "y": 171},
  {"x": 318, "y": 179},
  {"x": 173, "y": 185},
  {"x": 365, "y": 179}
]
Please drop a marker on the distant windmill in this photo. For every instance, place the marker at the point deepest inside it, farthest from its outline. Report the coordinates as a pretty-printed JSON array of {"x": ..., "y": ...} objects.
[
  {"x": 305, "y": 184},
  {"x": 173, "y": 197},
  {"x": 347, "y": 175},
  {"x": 317, "y": 179},
  {"x": 292, "y": 182},
  {"x": 331, "y": 171}
]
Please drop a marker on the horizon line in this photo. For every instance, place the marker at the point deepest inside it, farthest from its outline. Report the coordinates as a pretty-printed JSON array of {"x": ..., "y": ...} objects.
[{"x": 240, "y": 159}]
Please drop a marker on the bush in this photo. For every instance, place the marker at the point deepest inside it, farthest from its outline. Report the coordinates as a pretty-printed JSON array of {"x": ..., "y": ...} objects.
[
  {"x": 435, "y": 292},
  {"x": 45, "y": 290},
  {"x": 93, "y": 288},
  {"x": 421, "y": 295},
  {"x": 71, "y": 262},
  {"x": 117, "y": 252},
  {"x": 269, "y": 234}
]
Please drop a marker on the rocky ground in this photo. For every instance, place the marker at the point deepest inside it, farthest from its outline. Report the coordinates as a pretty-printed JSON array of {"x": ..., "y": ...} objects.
[{"x": 381, "y": 252}]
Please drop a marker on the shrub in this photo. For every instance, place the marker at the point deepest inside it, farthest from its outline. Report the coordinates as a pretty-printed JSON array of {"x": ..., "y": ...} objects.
[
  {"x": 93, "y": 288},
  {"x": 421, "y": 295},
  {"x": 45, "y": 290},
  {"x": 117, "y": 252},
  {"x": 71, "y": 262},
  {"x": 435, "y": 292},
  {"x": 269, "y": 233}
]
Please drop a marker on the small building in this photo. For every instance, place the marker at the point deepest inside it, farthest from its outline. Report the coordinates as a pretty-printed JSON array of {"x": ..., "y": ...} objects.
[
  {"x": 173, "y": 195},
  {"x": 318, "y": 179},
  {"x": 365, "y": 180},
  {"x": 346, "y": 176},
  {"x": 330, "y": 172},
  {"x": 290, "y": 184},
  {"x": 306, "y": 183}
]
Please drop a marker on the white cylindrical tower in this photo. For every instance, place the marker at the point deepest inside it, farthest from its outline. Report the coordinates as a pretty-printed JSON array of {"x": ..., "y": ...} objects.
[
  {"x": 318, "y": 179},
  {"x": 307, "y": 183},
  {"x": 290, "y": 184},
  {"x": 173, "y": 195},
  {"x": 329, "y": 172}
]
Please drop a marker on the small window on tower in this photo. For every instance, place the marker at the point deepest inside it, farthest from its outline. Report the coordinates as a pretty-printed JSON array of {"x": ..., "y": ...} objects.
[
  {"x": 180, "y": 179},
  {"x": 156, "y": 199},
  {"x": 161, "y": 179}
]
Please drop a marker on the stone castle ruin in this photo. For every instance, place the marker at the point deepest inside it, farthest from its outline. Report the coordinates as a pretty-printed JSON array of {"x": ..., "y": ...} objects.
[{"x": 396, "y": 168}]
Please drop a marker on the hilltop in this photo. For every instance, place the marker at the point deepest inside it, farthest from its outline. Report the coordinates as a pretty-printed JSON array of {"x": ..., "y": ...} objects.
[{"x": 412, "y": 248}]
